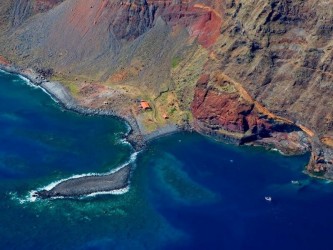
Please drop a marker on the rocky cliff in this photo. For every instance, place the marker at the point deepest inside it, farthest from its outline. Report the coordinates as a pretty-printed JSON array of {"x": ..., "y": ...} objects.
[{"x": 254, "y": 72}]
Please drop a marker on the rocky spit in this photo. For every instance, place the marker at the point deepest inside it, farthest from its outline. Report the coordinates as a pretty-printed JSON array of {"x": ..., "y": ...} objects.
[{"x": 86, "y": 185}]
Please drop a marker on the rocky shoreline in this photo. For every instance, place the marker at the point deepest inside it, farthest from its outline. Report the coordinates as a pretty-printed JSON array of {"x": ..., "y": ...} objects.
[
  {"x": 61, "y": 94},
  {"x": 286, "y": 143},
  {"x": 297, "y": 143}
]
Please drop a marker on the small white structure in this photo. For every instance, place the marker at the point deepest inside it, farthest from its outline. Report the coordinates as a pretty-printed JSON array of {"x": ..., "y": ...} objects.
[{"x": 268, "y": 198}]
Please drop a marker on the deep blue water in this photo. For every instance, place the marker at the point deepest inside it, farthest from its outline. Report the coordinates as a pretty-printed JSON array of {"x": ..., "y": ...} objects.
[{"x": 187, "y": 191}]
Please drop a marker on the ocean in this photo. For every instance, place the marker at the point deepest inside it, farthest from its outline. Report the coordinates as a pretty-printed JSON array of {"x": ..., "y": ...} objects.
[{"x": 187, "y": 191}]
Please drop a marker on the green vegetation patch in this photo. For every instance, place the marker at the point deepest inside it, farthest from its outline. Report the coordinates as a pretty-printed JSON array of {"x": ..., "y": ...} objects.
[
  {"x": 226, "y": 87},
  {"x": 175, "y": 62},
  {"x": 71, "y": 85}
]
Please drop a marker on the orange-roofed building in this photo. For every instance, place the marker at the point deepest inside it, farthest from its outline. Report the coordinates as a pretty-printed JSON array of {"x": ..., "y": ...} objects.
[{"x": 145, "y": 105}]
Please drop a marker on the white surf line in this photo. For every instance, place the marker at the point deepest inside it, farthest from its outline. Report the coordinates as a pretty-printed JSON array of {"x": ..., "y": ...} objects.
[
  {"x": 114, "y": 192},
  {"x": 31, "y": 84},
  {"x": 27, "y": 81},
  {"x": 277, "y": 150},
  {"x": 122, "y": 138},
  {"x": 124, "y": 141},
  {"x": 129, "y": 128},
  {"x": 5, "y": 72},
  {"x": 53, "y": 184},
  {"x": 30, "y": 197},
  {"x": 95, "y": 194}
]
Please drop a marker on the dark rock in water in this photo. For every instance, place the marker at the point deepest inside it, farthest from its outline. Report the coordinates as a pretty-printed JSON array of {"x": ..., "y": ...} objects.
[{"x": 88, "y": 184}]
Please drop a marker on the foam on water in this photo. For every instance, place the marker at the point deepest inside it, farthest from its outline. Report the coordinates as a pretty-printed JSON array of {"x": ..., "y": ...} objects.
[
  {"x": 128, "y": 127},
  {"x": 50, "y": 95},
  {"x": 22, "y": 200},
  {"x": 5, "y": 72},
  {"x": 27, "y": 81},
  {"x": 53, "y": 184},
  {"x": 121, "y": 137},
  {"x": 30, "y": 197},
  {"x": 277, "y": 150},
  {"x": 124, "y": 142},
  {"x": 113, "y": 192},
  {"x": 31, "y": 84},
  {"x": 14, "y": 196}
]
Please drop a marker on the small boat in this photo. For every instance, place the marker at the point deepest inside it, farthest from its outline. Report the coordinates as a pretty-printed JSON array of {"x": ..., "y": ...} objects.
[
  {"x": 268, "y": 198},
  {"x": 295, "y": 182}
]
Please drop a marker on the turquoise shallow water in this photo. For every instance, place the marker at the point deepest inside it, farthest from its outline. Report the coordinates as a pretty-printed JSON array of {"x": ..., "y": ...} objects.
[{"x": 187, "y": 191}]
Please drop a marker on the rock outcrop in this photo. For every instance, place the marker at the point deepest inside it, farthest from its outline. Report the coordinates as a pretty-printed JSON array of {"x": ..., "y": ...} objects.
[{"x": 224, "y": 110}]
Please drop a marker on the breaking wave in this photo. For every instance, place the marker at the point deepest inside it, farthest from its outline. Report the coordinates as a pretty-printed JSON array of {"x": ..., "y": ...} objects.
[
  {"x": 31, "y": 198},
  {"x": 30, "y": 83}
]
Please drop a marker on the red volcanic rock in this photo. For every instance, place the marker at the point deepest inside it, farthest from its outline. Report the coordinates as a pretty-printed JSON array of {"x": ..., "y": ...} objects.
[
  {"x": 136, "y": 17},
  {"x": 203, "y": 80},
  {"x": 321, "y": 161},
  {"x": 218, "y": 107},
  {"x": 4, "y": 61},
  {"x": 222, "y": 110},
  {"x": 207, "y": 27},
  {"x": 202, "y": 21}
]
